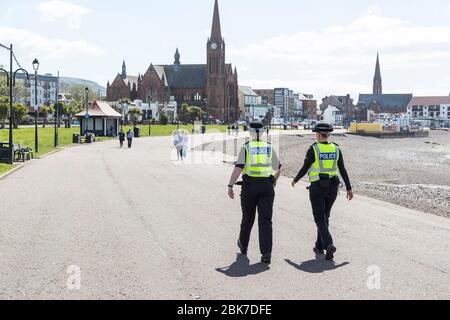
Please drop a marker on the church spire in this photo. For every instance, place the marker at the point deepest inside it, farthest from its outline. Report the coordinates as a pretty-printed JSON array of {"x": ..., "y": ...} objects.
[
  {"x": 124, "y": 70},
  {"x": 377, "y": 80},
  {"x": 216, "y": 32},
  {"x": 177, "y": 57}
]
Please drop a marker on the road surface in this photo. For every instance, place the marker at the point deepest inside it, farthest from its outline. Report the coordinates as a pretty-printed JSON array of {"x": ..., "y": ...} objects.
[{"x": 98, "y": 222}]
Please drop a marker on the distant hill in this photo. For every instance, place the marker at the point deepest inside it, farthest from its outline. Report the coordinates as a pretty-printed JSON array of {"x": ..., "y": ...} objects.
[{"x": 67, "y": 82}]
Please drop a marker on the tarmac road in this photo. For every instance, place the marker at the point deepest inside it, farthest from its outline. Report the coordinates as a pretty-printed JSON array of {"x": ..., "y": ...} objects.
[{"x": 139, "y": 225}]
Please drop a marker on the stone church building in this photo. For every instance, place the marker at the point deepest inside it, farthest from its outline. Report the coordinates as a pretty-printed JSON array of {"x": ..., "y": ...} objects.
[
  {"x": 379, "y": 102},
  {"x": 212, "y": 86}
]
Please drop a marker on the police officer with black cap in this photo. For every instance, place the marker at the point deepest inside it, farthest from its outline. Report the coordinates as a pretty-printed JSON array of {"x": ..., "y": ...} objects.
[
  {"x": 321, "y": 164},
  {"x": 260, "y": 168}
]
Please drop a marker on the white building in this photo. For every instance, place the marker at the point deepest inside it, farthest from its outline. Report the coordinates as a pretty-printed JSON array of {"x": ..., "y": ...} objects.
[
  {"x": 333, "y": 116},
  {"x": 247, "y": 99},
  {"x": 434, "y": 110},
  {"x": 149, "y": 111},
  {"x": 47, "y": 87},
  {"x": 256, "y": 111}
]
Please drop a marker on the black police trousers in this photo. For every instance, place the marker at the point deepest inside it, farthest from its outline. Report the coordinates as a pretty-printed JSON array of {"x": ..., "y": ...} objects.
[
  {"x": 257, "y": 193},
  {"x": 322, "y": 201}
]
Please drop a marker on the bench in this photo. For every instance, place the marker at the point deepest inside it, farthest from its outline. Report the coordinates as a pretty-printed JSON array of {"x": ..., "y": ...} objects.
[
  {"x": 23, "y": 153},
  {"x": 83, "y": 139}
]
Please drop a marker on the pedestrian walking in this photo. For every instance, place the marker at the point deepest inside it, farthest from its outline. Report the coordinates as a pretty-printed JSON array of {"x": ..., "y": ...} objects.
[
  {"x": 121, "y": 138},
  {"x": 130, "y": 138},
  {"x": 322, "y": 162},
  {"x": 178, "y": 144},
  {"x": 260, "y": 168},
  {"x": 184, "y": 145}
]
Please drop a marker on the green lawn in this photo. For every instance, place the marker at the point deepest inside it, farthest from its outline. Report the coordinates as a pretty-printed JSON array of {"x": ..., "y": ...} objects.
[
  {"x": 4, "y": 168},
  {"x": 25, "y": 137}
]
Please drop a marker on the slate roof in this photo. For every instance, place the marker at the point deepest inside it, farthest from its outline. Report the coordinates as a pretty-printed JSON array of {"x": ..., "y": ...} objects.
[
  {"x": 100, "y": 109},
  {"x": 186, "y": 76},
  {"x": 429, "y": 101},
  {"x": 388, "y": 103}
]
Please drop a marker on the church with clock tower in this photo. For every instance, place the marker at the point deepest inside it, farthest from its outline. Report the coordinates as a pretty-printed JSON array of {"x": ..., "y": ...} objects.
[{"x": 212, "y": 86}]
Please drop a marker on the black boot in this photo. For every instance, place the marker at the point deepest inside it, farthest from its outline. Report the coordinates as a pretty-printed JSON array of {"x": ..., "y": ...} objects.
[
  {"x": 266, "y": 258},
  {"x": 318, "y": 251},
  {"x": 331, "y": 250}
]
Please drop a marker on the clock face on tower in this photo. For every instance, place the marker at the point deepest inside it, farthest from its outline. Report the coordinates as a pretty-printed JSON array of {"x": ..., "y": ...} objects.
[{"x": 214, "y": 46}]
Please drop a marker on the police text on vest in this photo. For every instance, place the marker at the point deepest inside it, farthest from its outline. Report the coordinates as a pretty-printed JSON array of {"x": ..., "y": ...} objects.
[{"x": 328, "y": 156}]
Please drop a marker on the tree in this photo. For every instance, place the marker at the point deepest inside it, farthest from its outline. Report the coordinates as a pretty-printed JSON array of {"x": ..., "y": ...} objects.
[
  {"x": 4, "y": 110},
  {"x": 163, "y": 119},
  {"x": 185, "y": 112},
  {"x": 122, "y": 106},
  {"x": 195, "y": 113},
  {"x": 3, "y": 88},
  {"x": 134, "y": 114},
  {"x": 19, "y": 113},
  {"x": 45, "y": 111},
  {"x": 78, "y": 93},
  {"x": 20, "y": 91},
  {"x": 70, "y": 110},
  {"x": 58, "y": 108}
]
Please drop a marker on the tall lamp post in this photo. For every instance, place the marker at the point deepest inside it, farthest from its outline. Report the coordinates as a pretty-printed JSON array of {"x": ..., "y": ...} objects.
[
  {"x": 56, "y": 112},
  {"x": 10, "y": 83},
  {"x": 36, "y": 106},
  {"x": 86, "y": 90},
  {"x": 56, "y": 106},
  {"x": 150, "y": 115}
]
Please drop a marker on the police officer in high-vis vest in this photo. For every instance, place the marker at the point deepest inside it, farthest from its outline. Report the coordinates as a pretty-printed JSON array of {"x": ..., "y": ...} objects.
[
  {"x": 260, "y": 168},
  {"x": 321, "y": 164}
]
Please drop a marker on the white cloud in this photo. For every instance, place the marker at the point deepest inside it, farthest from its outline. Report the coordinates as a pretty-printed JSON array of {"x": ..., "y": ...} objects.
[
  {"x": 56, "y": 9},
  {"x": 341, "y": 58},
  {"x": 34, "y": 45}
]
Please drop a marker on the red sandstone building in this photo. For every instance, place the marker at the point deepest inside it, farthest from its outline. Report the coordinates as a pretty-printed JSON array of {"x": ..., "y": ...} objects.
[{"x": 212, "y": 86}]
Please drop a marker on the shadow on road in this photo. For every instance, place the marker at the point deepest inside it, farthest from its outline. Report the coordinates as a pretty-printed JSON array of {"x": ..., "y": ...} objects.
[
  {"x": 317, "y": 265},
  {"x": 242, "y": 268}
]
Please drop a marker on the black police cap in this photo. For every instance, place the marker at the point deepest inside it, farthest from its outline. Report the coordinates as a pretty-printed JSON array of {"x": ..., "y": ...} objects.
[
  {"x": 323, "y": 128},
  {"x": 256, "y": 125}
]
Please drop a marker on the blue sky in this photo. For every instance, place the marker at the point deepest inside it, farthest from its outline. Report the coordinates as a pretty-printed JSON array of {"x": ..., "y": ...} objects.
[{"x": 320, "y": 47}]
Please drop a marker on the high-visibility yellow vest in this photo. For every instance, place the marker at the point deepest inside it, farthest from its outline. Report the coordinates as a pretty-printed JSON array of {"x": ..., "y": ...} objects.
[
  {"x": 327, "y": 157},
  {"x": 258, "y": 161}
]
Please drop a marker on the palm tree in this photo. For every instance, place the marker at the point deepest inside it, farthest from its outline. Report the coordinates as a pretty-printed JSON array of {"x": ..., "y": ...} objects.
[
  {"x": 46, "y": 110},
  {"x": 70, "y": 110},
  {"x": 134, "y": 114}
]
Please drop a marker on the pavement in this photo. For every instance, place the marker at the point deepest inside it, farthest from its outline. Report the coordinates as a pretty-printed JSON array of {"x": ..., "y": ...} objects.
[{"x": 99, "y": 222}]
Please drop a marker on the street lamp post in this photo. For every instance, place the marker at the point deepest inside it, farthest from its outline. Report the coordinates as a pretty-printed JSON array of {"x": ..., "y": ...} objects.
[
  {"x": 86, "y": 90},
  {"x": 10, "y": 83},
  {"x": 56, "y": 112},
  {"x": 36, "y": 106},
  {"x": 150, "y": 115}
]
